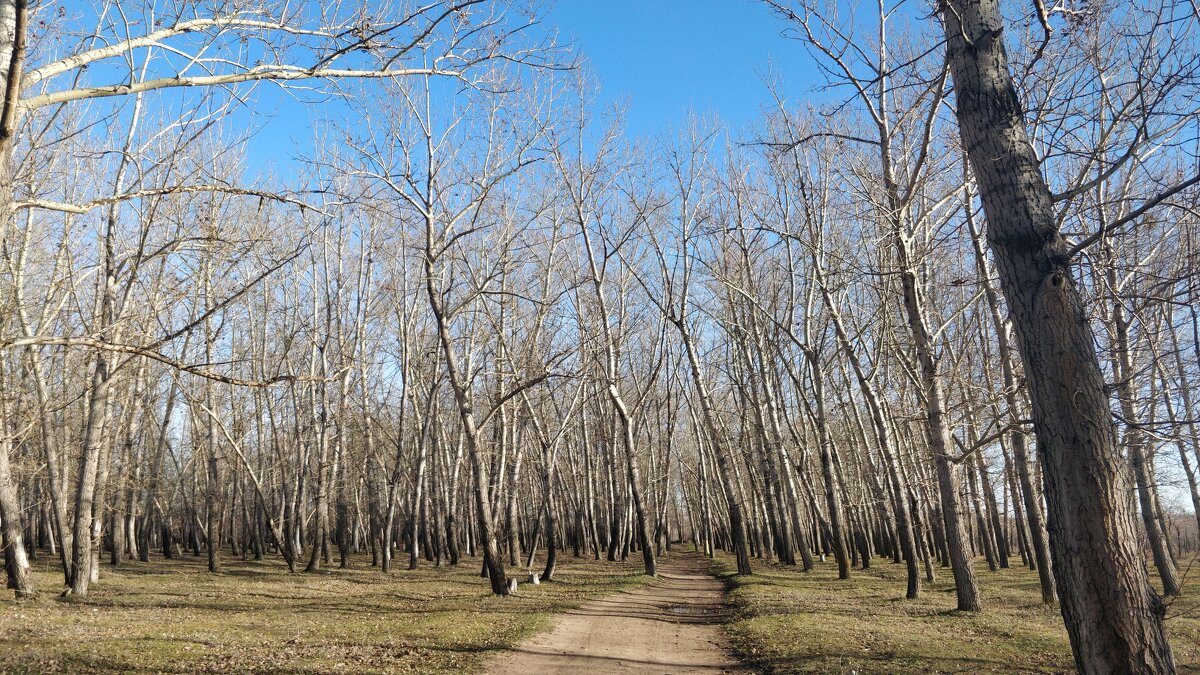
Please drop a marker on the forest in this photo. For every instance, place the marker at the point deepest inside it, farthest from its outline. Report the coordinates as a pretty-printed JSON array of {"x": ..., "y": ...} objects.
[{"x": 925, "y": 338}]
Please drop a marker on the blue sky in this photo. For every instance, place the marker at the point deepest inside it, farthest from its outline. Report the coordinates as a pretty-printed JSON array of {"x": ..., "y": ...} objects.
[
  {"x": 657, "y": 59},
  {"x": 664, "y": 58}
]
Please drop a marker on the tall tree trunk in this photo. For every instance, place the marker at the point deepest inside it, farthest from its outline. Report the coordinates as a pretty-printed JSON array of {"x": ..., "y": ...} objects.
[
  {"x": 1135, "y": 439},
  {"x": 956, "y": 539},
  {"x": 13, "y": 17},
  {"x": 1113, "y": 616},
  {"x": 832, "y": 499},
  {"x": 641, "y": 523},
  {"x": 905, "y": 515},
  {"x": 720, "y": 450},
  {"x": 493, "y": 562},
  {"x": 93, "y": 439},
  {"x": 418, "y": 494},
  {"x": 994, "y": 513},
  {"x": 1190, "y": 424}
]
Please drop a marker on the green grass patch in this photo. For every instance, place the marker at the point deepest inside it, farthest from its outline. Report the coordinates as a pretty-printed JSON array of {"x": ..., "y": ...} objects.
[
  {"x": 172, "y": 616},
  {"x": 787, "y": 621}
]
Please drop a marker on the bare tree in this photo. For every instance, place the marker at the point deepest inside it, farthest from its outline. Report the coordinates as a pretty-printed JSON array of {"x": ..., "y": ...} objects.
[{"x": 1113, "y": 616}]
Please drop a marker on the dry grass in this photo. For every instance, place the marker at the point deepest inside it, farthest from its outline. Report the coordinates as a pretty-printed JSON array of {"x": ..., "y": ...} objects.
[
  {"x": 173, "y": 616},
  {"x": 790, "y": 622}
]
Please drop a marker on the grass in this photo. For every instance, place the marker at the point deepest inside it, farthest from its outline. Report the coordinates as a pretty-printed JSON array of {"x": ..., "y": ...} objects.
[
  {"x": 172, "y": 616},
  {"x": 790, "y": 622}
]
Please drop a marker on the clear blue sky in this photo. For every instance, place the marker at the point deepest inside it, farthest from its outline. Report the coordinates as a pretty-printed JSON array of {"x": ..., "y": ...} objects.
[
  {"x": 664, "y": 58},
  {"x": 657, "y": 59}
]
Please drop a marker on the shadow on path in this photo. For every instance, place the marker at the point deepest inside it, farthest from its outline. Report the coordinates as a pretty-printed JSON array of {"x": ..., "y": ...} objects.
[{"x": 670, "y": 626}]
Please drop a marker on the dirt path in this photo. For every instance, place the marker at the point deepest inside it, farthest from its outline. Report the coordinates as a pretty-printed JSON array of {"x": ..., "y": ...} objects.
[{"x": 669, "y": 626}]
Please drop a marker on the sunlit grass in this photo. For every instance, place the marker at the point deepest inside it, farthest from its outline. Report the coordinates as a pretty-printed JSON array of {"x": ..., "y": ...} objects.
[
  {"x": 790, "y": 622},
  {"x": 173, "y": 616}
]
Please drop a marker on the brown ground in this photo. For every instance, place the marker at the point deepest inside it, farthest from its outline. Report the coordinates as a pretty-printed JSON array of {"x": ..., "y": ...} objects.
[
  {"x": 173, "y": 616},
  {"x": 670, "y": 626}
]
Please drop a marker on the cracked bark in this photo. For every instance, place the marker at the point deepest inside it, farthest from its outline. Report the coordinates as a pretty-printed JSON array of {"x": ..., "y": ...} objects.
[{"x": 1113, "y": 617}]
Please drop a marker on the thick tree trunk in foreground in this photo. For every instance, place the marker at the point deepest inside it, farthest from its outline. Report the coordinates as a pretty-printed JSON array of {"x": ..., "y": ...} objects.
[
  {"x": 1113, "y": 616},
  {"x": 12, "y": 50}
]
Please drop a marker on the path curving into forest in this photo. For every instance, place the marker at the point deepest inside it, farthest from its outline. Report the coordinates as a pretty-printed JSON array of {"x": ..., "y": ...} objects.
[{"x": 672, "y": 625}]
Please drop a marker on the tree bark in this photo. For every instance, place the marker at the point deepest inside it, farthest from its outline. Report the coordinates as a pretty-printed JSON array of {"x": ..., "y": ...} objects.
[
  {"x": 15, "y": 559},
  {"x": 13, "y": 17},
  {"x": 1113, "y": 616}
]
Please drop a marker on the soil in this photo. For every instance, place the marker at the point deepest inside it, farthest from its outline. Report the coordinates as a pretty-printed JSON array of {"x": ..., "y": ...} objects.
[{"x": 672, "y": 625}]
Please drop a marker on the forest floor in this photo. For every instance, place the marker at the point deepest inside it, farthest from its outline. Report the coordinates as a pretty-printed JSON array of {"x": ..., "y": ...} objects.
[
  {"x": 669, "y": 626},
  {"x": 786, "y": 621},
  {"x": 172, "y": 616}
]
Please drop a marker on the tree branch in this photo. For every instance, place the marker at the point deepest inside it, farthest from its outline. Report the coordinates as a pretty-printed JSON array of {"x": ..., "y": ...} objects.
[{"x": 274, "y": 73}]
